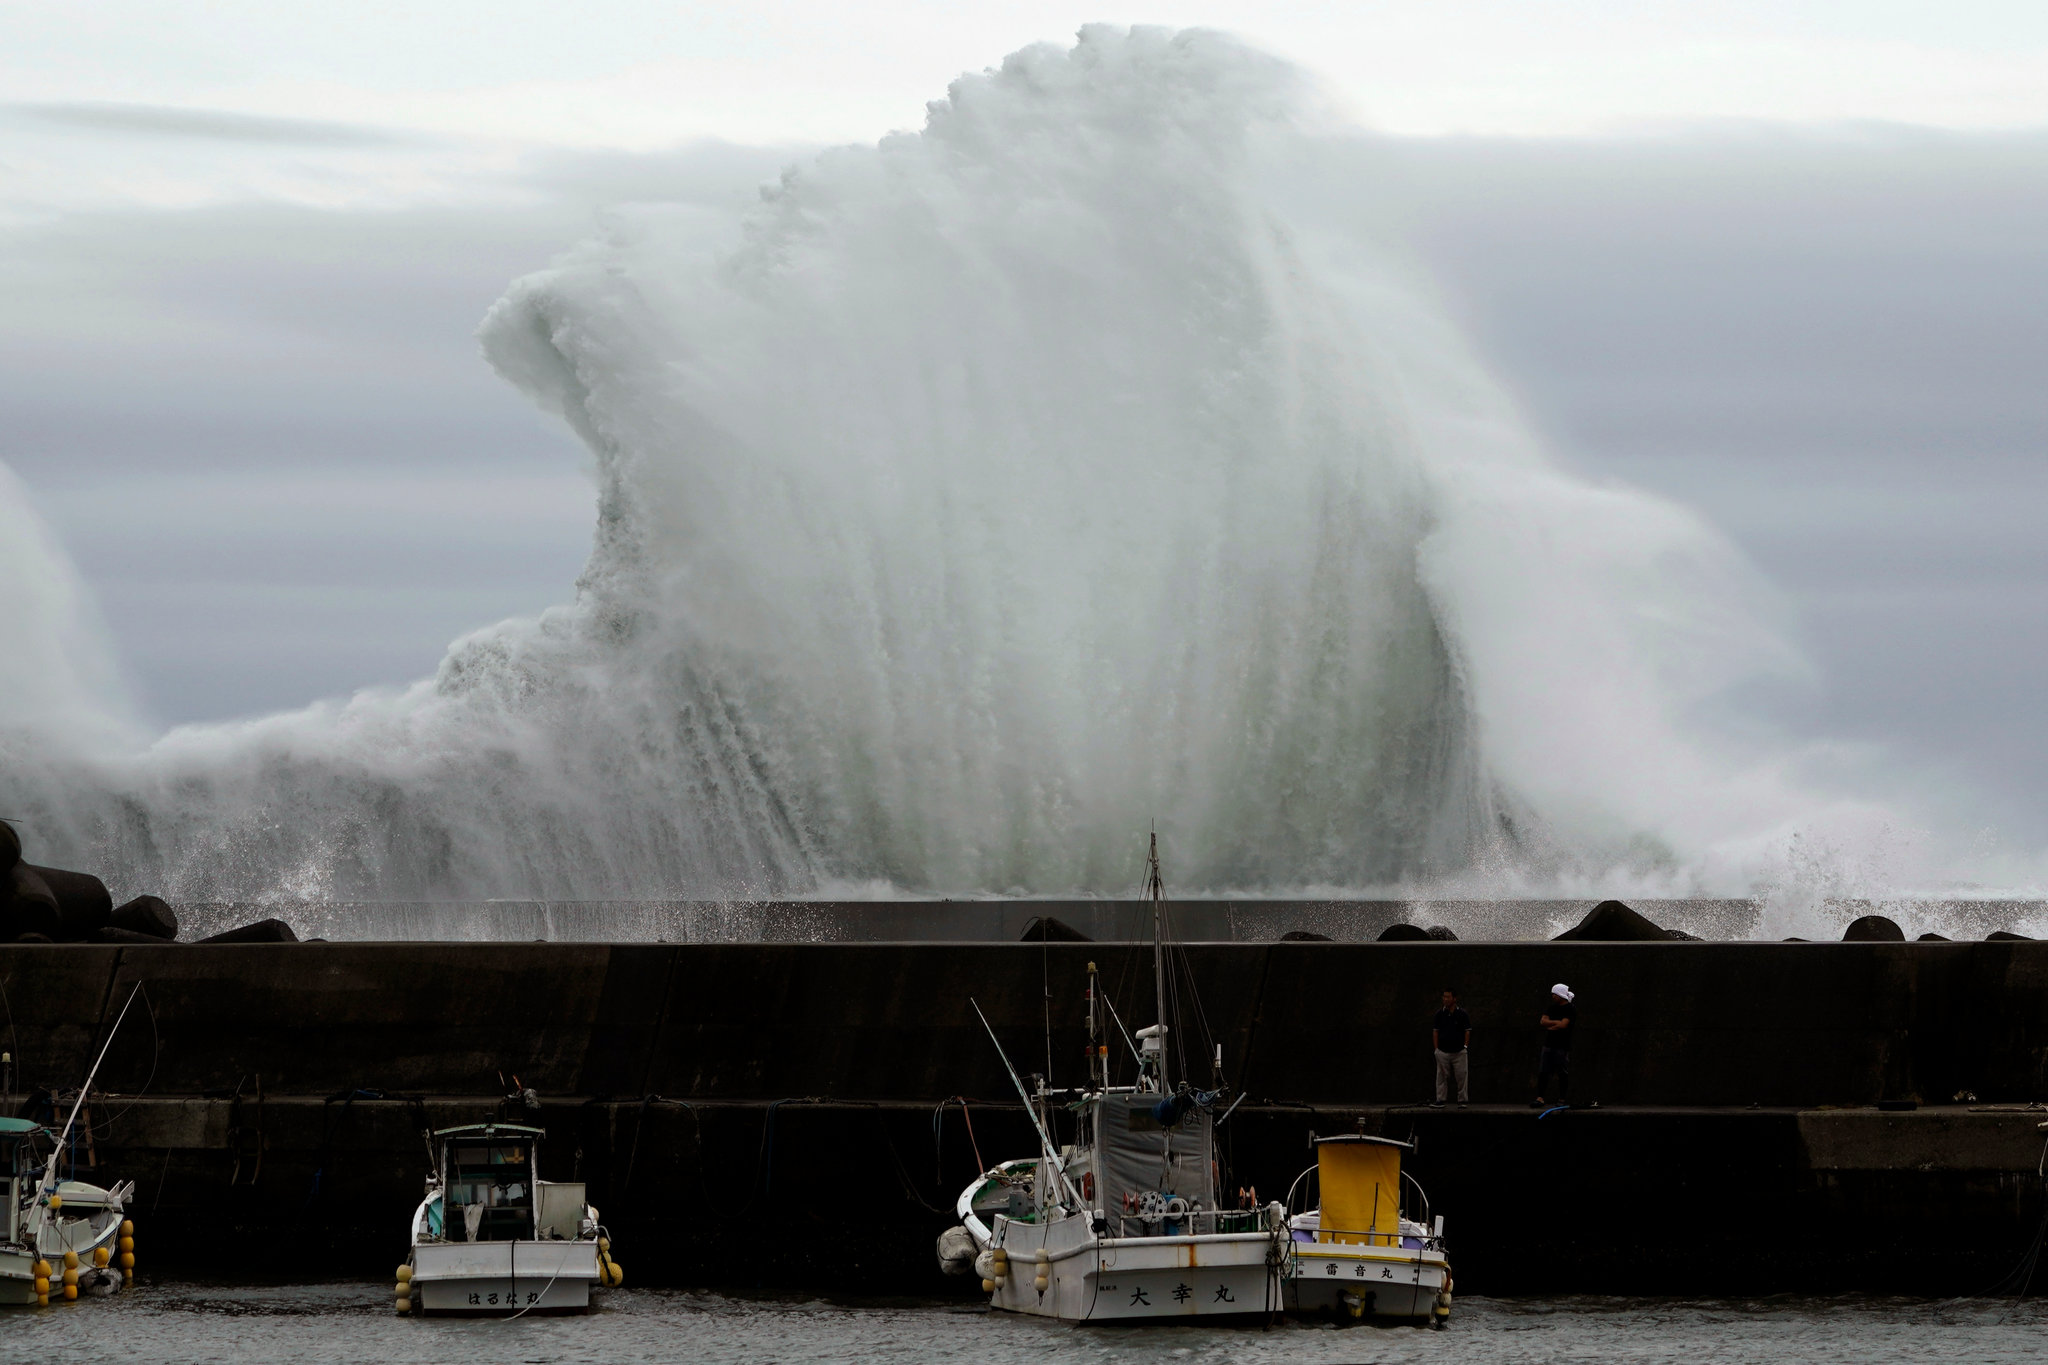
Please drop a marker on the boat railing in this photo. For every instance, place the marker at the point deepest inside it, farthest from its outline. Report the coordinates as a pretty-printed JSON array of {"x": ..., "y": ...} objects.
[
  {"x": 1195, "y": 1223},
  {"x": 1371, "y": 1237},
  {"x": 1421, "y": 1195}
]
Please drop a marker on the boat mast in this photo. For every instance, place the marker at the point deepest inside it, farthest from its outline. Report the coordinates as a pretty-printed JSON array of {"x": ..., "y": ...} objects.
[{"x": 1155, "y": 889}]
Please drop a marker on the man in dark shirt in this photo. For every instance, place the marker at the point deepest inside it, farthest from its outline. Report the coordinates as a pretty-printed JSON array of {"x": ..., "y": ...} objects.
[
  {"x": 1560, "y": 1021},
  {"x": 1451, "y": 1034}
]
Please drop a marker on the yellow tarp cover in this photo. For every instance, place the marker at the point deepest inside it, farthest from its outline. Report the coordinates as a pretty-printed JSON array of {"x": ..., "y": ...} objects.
[{"x": 1361, "y": 1185}]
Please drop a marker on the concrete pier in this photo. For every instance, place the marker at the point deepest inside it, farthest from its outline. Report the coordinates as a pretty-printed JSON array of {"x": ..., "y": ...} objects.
[{"x": 743, "y": 1112}]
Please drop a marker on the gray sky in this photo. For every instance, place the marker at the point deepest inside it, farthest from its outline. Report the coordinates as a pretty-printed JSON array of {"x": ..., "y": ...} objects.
[
  {"x": 1788, "y": 265},
  {"x": 1830, "y": 345}
]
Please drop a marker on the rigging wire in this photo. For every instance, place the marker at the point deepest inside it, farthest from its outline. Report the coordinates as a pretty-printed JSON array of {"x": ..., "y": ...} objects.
[
  {"x": 1045, "y": 986},
  {"x": 13, "y": 1036},
  {"x": 1178, "y": 969},
  {"x": 939, "y": 1136},
  {"x": 1120, "y": 1027},
  {"x": 104, "y": 1128},
  {"x": 1123, "y": 979}
]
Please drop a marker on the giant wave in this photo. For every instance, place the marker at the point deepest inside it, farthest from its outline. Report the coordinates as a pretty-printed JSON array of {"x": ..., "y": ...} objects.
[{"x": 981, "y": 498}]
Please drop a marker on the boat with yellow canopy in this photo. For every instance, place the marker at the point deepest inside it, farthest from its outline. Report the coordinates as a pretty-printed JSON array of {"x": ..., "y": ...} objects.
[{"x": 1368, "y": 1248}]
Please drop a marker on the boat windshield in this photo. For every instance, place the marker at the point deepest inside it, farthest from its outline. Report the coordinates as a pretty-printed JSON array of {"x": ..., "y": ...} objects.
[
  {"x": 28, "y": 1152},
  {"x": 489, "y": 1191}
]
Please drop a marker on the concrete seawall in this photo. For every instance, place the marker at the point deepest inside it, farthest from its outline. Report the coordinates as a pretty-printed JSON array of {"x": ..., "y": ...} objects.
[{"x": 1737, "y": 1146}]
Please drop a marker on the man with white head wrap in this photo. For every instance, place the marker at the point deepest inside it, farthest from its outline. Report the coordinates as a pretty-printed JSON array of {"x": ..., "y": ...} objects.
[{"x": 1560, "y": 1021}]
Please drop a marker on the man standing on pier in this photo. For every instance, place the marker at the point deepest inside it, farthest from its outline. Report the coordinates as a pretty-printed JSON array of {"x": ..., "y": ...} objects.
[
  {"x": 1559, "y": 1021},
  {"x": 1452, "y": 1034}
]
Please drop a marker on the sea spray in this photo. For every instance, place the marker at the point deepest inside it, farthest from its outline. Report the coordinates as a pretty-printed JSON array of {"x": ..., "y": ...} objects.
[{"x": 982, "y": 498}]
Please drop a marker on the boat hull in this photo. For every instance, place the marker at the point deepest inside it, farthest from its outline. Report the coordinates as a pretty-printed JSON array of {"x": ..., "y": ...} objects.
[
  {"x": 17, "y": 1278},
  {"x": 498, "y": 1279},
  {"x": 1134, "y": 1279},
  {"x": 87, "y": 1223},
  {"x": 1350, "y": 1281}
]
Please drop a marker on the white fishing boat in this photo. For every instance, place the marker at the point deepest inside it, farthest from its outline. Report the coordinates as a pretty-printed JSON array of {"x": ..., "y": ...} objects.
[
  {"x": 1125, "y": 1222},
  {"x": 492, "y": 1239},
  {"x": 65, "y": 1238},
  {"x": 1358, "y": 1253},
  {"x": 62, "y": 1237}
]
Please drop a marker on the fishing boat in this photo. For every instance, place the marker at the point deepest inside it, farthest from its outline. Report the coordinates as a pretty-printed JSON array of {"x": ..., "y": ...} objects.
[
  {"x": 492, "y": 1239},
  {"x": 64, "y": 1237},
  {"x": 1124, "y": 1223},
  {"x": 1358, "y": 1253}
]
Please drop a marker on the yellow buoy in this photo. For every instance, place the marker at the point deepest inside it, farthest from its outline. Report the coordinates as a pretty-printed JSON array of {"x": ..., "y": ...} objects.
[
  {"x": 604, "y": 1246},
  {"x": 404, "y": 1305},
  {"x": 71, "y": 1260},
  {"x": 128, "y": 1263},
  {"x": 618, "y": 1274},
  {"x": 404, "y": 1273},
  {"x": 70, "y": 1291},
  {"x": 42, "y": 1284},
  {"x": 100, "y": 1255},
  {"x": 988, "y": 1286},
  {"x": 127, "y": 1227},
  {"x": 43, "y": 1271},
  {"x": 71, "y": 1274},
  {"x": 127, "y": 1244},
  {"x": 56, "y": 1201}
]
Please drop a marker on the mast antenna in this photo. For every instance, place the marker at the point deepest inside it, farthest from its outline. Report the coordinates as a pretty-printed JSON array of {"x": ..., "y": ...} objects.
[
  {"x": 1155, "y": 891},
  {"x": 49, "y": 1180},
  {"x": 1045, "y": 1144}
]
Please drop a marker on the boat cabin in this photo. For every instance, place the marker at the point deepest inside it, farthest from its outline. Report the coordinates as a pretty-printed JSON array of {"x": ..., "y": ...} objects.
[
  {"x": 491, "y": 1190},
  {"x": 487, "y": 1182},
  {"x": 1362, "y": 1197},
  {"x": 1148, "y": 1163},
  {"x": 20, "y": 1168}
]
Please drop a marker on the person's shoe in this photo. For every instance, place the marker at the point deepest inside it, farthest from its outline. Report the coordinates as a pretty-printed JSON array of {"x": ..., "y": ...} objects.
[
  {"x": 1436, "y": 1104},
  {"x": 1536, "y": 1103},
  {"x": 1461, "y": 1104}
]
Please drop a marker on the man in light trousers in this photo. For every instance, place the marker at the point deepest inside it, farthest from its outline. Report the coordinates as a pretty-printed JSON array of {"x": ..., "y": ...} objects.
[{"x": 1452, "y": 1036}]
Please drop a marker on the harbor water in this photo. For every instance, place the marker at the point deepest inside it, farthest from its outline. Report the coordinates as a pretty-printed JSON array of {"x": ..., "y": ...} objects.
[{"x": 175, "y": 1322}]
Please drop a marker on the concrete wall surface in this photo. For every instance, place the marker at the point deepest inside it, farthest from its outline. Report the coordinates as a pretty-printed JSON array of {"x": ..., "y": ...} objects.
[
  {"x": 1665, "y": 1024},
  {"x": 745, "y": 1112}
]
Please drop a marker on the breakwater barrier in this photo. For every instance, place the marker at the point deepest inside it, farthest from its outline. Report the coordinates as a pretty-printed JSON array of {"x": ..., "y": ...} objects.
[
  {"x": 1234, "y": 920},
  {"x": 1770, "y": 1116}
]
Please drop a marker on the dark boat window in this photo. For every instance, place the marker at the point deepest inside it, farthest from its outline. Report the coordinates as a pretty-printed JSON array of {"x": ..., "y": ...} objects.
[{"x": 499, "y": 1178}]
